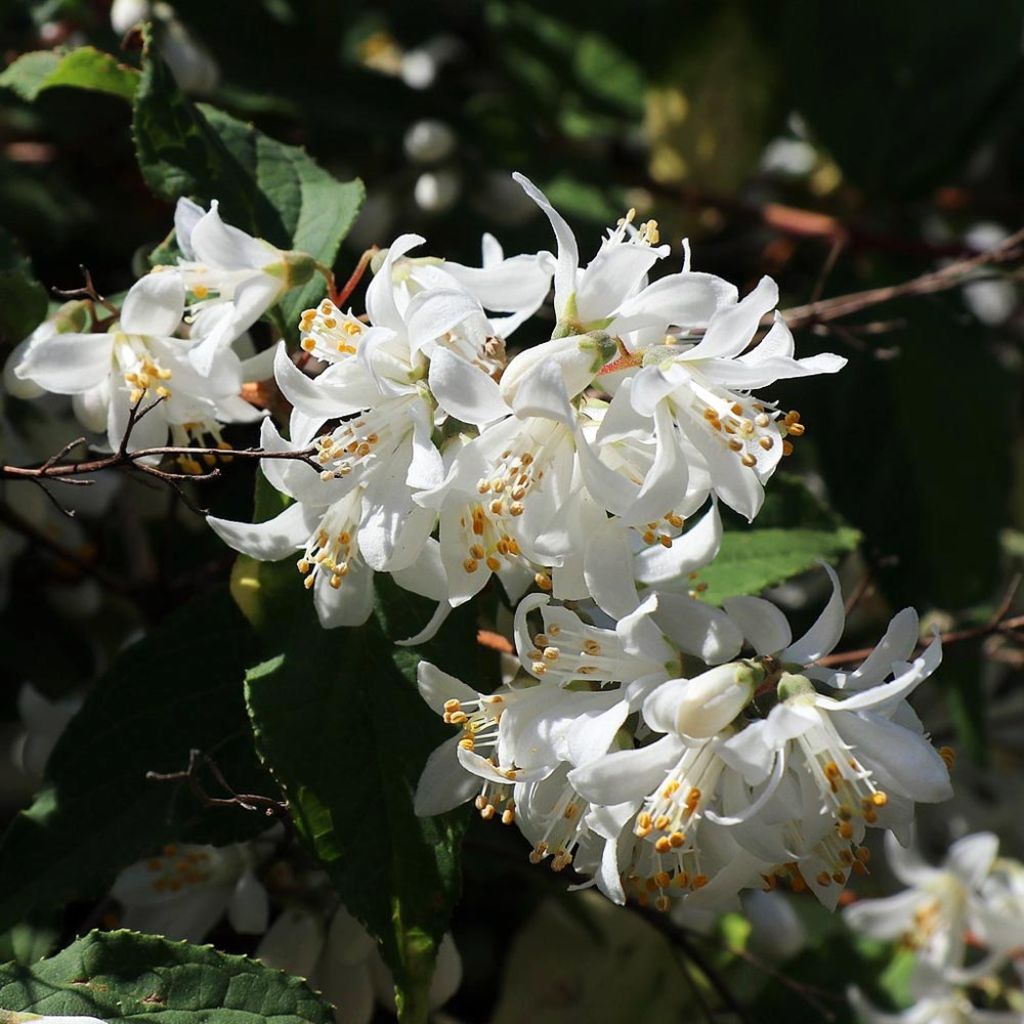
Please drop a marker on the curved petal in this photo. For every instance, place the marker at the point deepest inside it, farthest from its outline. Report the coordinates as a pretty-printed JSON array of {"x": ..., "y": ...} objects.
[
  {"x": 568, "y": 252},
  {"x": 380, "y": 295},
  {"x": 317, "y": 400},
  {"x": 698, "y": 628},
  {"x": 627, "y": 774},
  {"x": 463, "y": 390},
  {"x": 733, "y": 327},
  {"x": 897, "y": 645},
  {"x": 822, "y": 637},
  {"x": 275, "y": 539},
  {"x": 224, "y": 247},
  {"x": 763, "y": 625},
  {"x": 351, "y": 604},
  {"x": 154, "y": 305},
  {"x": 612, "y": 276},
  {"x": 67, "y": 364},
  {"x": 972, "y": 856},
  {"x": 664, "y": 568}
]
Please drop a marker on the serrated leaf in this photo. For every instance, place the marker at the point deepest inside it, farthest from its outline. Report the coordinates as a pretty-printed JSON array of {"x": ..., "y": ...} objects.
[
  {"x": 125, "y": 976},
  {"x": 347, "y": 735},
  {"x": 82, "y": 68},
  {"x": 265, "y": 187},
  {"x": 750, "y": 560},
  {"x": 177, "y": 688}
]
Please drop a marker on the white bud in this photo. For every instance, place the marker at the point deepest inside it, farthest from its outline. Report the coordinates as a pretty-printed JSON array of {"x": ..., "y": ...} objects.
[
  {"x": 436, "y": 191},
  {"x": 579, "y": 357},
  {"x": 429, "y": 140},
  {"x": 293, "y": 943},
  {"x": 709, "y": 702}
]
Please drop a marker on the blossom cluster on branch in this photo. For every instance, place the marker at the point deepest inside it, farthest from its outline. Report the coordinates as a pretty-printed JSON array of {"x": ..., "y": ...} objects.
[{"x": 667, "y": 749}]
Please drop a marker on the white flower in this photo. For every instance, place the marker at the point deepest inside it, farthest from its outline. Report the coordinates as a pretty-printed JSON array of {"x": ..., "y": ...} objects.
[
  {"x": 139, "y": 359},
  {"x": 938, "y": 1002},
  {"x": 706, "y": 387},
  {"x": 184, "y": 891},
  {"x": 942, "y": 904},
  {"x": 343, "y": 963},
  {"x": 231, "y": 278},
  {"x": 44, "y": 721}
]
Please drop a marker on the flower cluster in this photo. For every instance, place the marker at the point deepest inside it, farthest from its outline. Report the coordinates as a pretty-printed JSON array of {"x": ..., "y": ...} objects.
[
  {"x": 574, "y": 468},
  {"x": 174, "y": 349},
  {"x": 666, "y": 748},
  {"x": 965, "y": 922},
  {"x": 663, "y": 782}
]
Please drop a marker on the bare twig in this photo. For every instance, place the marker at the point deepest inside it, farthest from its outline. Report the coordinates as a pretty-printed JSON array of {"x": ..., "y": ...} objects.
[
  {"x": 88, "y": 291},
  {"x": 65, "y": 472},
  {"x": 950, "y": 276},
  {"x": 255, "y": 802}
]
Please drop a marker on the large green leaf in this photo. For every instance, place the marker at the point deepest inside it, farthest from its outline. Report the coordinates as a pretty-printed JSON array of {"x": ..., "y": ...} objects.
[
  {"x": 178, "y": 688},
  {"x": 340, "y": 724},
  {"x": 131, "y": 977},
  {"x": 271, "y": 190},
  {"x": 750, "y": 560},
  {"x": 82, "y": 68}
]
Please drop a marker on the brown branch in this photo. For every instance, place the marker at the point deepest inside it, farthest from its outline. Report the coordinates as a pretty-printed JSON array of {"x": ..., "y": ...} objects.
[
  {"x": 934, "y": 281},
  {"x": 255, "y": 802},
  {"x": 65, "y": 472},
  {"x": 998, "y": 622}
]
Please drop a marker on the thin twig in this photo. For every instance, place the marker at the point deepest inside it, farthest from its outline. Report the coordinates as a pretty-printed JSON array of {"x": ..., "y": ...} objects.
[{"x": 939, "y": 280}]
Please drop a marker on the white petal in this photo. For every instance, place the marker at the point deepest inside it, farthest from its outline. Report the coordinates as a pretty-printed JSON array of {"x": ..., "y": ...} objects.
[
  {"x": 608, "y": 569},
  {"x": 68, "y": 364},
  {"x": 464, "y": 390},
  {"x": 568, "y": 252},
  {"x": 733, "y": 327},
  {"x": 380, "y": 295},
  {"x": 897, "y": 645},
  {"x": 270, "y": 541},
  {"x": 612, "y": 276},
  {"x": 627, "y": 774},
  {"x": 222, "y": 246},
  {"x": 698, "y": 628},
  {"x": 885, "y": 919},
  {"x": 762, "y": 624},
  {"x": 437, "y": 687},
  {"x": 351, "y": 604},
  {"x": 822, "y": 637},
  {"x": 154, "y": 305},
  {"x": 249, "y": 908},
  {"x": 664, "y": 568},
  {"x": 432, "y": 314},
  {"x": 444, "y": 783},
  {"x": 317, "y": 400},
  {"x": 542, "y": 393},
  {"x": 971, "y": 857},
  {"x": 187, "y": 215}
]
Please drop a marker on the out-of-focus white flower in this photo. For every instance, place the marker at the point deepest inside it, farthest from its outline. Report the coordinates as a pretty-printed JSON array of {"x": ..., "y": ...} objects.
[
  {"x": 183, "y": 891},
  {"x": 342, "y": 961},
  {"x": 437, "y": 191},
  {"x": 942, "y": 904},
  {"x": 44, "y": 721},
  {"x": 993, "y": 301},
  {"x": 429, "y": 140}
]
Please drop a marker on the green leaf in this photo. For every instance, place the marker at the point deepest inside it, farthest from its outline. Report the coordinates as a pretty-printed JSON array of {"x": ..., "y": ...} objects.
[
  {"x": 346, "y": 734},
  {"x": 750, "y": 560},
  {"x": 82, "y": 68},
  {"x": 23, "y": 300},
  {"x": 127, "y": 976},
  {"x": 271, "y": 190},
  {"x": 177, "y": 688}
]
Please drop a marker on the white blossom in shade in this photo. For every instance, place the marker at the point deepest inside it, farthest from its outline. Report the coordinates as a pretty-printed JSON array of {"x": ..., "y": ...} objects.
[
  {"x": 428, "y": 140},
  {"x": 942, "y": 904},
  {"x": 185, "y": 890},
  {"x": 44, "y": 721},
  {"x": 737, "y": 439},
  {"x": 437, "y": 191},
  {"x": 340, "y": 959},
  {"x": 937, "y": 1001},
  {"x": 140, "y": 360},
  {"x": 230, "y": 278}
]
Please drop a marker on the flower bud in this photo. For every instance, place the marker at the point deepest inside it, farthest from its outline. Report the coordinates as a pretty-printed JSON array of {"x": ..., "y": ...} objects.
[
  {"x": 712, "y": 700},
  {"x": 791, "y": 686},
  {"x": 580, "y": 358},
  {"x": 293, "y": 267}
]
